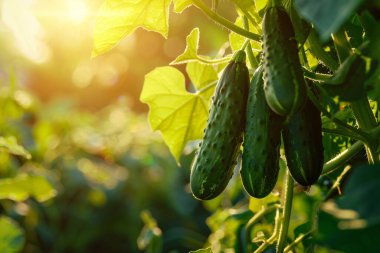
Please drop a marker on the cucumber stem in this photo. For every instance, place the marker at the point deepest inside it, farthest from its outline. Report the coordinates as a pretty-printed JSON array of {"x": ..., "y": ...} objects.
[
  {"x": 316, "y": 48},
  {"x": 251, "y": 57},
  {"x": 225, "y": 22},
  {"x": 342, "y": 46},
  {"x": 287, "y": 204},
  {"x": 366, "y": 121}
]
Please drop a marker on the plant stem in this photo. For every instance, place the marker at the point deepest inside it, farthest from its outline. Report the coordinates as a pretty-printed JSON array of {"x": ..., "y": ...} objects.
[
  {"x": 366, "y": 121},
  {"x": 251, "y": 57},
  {"x": 360, "y": 135},
  {"x": 296, "y": 241},
  {"x": 318, "y": 77},
  {"x": 342, "y": 158},
  {"x": 339, "y": 179},
  {"x": 287, "y": 203},
  {"x": 316, "y": 48},
  {"x": 342, "y": 46},
  {"x": 273, "y": 237},
  {"x": 257, "y": 217},
  {"x": 225, "y": 22}
]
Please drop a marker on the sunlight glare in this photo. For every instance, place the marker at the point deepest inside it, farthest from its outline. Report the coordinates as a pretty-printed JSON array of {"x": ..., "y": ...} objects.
[{"x": 77, "y": 11}]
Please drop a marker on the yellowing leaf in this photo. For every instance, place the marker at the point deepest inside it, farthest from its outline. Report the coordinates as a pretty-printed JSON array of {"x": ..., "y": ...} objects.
[
  {"x": 255, "y": 205},
  {"x": 201, "y": 74},
  {"x": 180, "y": 5},
  {"x": 191, "y": 51},
  {"x": 179, "y": 115},
  {"x": 117, "y": 19},
  {"x": 22, "y": 187}
]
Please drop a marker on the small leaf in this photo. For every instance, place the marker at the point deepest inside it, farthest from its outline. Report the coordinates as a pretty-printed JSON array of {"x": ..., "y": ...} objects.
[
  {"x": 11, "y": 146},
  {"x": 11, "y": 236},
  {"x": 191, "y": 51},
  {"x": 201, "y": 74},
  {"x": 326, "y": 15},
  {"x": 179, "y": 115},
  {"x": 22, "y": 187},
  {"x": 207, "y": 250},
  {"x": 180, "y": 5},
  {"x": 117, "y": 19}
]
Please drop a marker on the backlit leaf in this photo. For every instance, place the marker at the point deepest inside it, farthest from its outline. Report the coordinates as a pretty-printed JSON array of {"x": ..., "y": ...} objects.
[
  {"x": 117, "y": 19},
  {"x": 201, "y": 74},
  {"x": 22, "y": 187},
  {"x": 179, "y": 115},
  {"x": 180, "y": 5}
]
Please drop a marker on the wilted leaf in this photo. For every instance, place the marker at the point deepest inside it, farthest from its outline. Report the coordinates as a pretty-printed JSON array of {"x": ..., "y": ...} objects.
[
  {"x": 117, "y": 19},
  {"x": 22, "y": 187},
  {"x": 179, "y": 115},
  {"x": 11, "y": 236}
]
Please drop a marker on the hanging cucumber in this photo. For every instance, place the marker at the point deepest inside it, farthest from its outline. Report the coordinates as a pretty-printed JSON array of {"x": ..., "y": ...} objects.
[
  {"x": 302, "y": 138},
  {"x": 284, "y": 84},
  {"x": 262, "y": 138},
  {"x": 213, "y": 166}
]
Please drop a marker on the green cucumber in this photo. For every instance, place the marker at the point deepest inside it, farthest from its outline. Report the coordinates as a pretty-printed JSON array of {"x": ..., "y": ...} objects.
[
  {"x": 262, "y": 139},
  {"x": 284, "y": 84},
  {"x": 302, "y": 138},
  {"x": 214, "y": 163}
]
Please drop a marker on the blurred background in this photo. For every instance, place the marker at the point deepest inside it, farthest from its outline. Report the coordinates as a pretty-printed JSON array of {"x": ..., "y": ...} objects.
[
  {"x": 80, "y": 168},
  {"x": 49, "y": 42}
]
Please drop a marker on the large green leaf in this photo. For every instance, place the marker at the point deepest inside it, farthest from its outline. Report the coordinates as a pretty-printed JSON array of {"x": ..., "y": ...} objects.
[
  {"x": 326, "y": 15},
  {"x": 117, "y": 19},
  {"x": 11, "y": 236},
  {"x": 201, "y": 74},
  {"x": 22, "y": 187},
  {"x": 180, "y": 5},
  {"x": 352, "y": 223},
  {"x": 178, "y": 114}
]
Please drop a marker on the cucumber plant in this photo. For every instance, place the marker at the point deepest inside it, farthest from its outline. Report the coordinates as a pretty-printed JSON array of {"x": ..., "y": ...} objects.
[{"x": 323, "y": 126}]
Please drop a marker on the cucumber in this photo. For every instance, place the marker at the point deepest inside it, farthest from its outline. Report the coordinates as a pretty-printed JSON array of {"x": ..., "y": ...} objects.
[
  {"x": 214, "y": 163},
  {"x": 303, "y": 146},
  {"x": 262, "y": 138},
  {"x": 284, "y": 84}
]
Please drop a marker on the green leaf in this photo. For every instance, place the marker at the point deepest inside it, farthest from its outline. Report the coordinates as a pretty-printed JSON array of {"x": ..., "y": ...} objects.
[
  {"x": 179, "y": 115},
  {"x": 22, "y": 187},
  {"x": 352, "y": 223},
  {"x": 326, "y": 15},
  {"x": 180, "y": 5},
  {"x": 10, "y": 145},
  {"x": 201, "y": 74},
  {"x": 207, "y": 250},
  {"x": 191, "y": 51},
  {"x": 11, "y": 236},
  {"x": 117, "y": 19}
]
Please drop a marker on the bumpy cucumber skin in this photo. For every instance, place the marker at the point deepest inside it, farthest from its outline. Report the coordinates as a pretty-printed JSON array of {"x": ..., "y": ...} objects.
[
  {"x": 303, "y": 146},
  {"x": 213, "y": 166},
  {"x": 262, "y": 138},
  {"x": 284, "y": 84}
]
